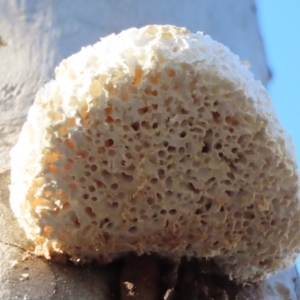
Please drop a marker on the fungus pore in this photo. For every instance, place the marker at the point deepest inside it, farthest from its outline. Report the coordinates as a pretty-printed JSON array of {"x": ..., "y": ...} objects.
[{"x": 158, "y": 140}]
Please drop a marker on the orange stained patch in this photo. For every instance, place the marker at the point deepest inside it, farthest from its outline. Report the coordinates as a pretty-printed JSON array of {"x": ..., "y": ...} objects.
[
  {"x": 73, "y": 185},
  {"x": 62, "y": 131},
  {"x": 53, "y": 168},
  {"x": 38, "y": 201},
  {"x": 85, "y": 116},
  {"x": 148, "y": 91},
  {"x": 83, "y": 111},
  {"x": 138, "y": 75},
  {"x": 39, "y": 181},
  {"x": 47, "y": 229},
  {"x": 71, "y": 122},
  {"x": 154, "y": 79},
  {"x": 109, "y": 119},
  {"x": 87, "y": 122},
  {"x": 110, "y": 88},
  {"x": 69, "y": 144},
  {"x": 66, "y": 205},
  {"x": 52, "y": 156},
  {"x": 65, "y": 197},
  {"x": 143, "y": 110},
  {"x": 67, "y": 167},
  {"x": 47, "y": 194},
  {"x": 108, "y": 110},
  {"x": 62, "y": 196},
  {"x": 81, "y": 153},
  {"x": 221, "y": 201},
  {"x": 44, "y": 212},
  {"x": 56, "y": 211},
  {"x": 63, "y": 235},
  {"x": 124, "y": 97},
  {"x": 171, "y": 73},
  {"x": 58, "y": 194},
  {"x": 95, "y": 88}
]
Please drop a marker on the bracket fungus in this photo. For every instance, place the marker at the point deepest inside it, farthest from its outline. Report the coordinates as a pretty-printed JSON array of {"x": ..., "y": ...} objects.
[{"x": 158, "y": 140}]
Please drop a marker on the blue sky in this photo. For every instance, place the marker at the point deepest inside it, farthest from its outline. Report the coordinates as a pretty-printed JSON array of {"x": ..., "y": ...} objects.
[{"x": 280, "y": 29}]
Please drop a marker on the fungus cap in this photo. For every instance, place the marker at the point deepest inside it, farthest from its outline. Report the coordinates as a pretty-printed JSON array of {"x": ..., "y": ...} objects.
[{"x": 158, "y": 140}]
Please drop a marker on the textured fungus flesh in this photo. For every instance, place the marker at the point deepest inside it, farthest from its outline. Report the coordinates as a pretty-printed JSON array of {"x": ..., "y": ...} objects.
[{"x": 158, "y": 140}]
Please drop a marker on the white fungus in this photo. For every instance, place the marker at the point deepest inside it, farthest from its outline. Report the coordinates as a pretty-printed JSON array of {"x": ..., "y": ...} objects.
[{"x": 158, "y": 140}]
